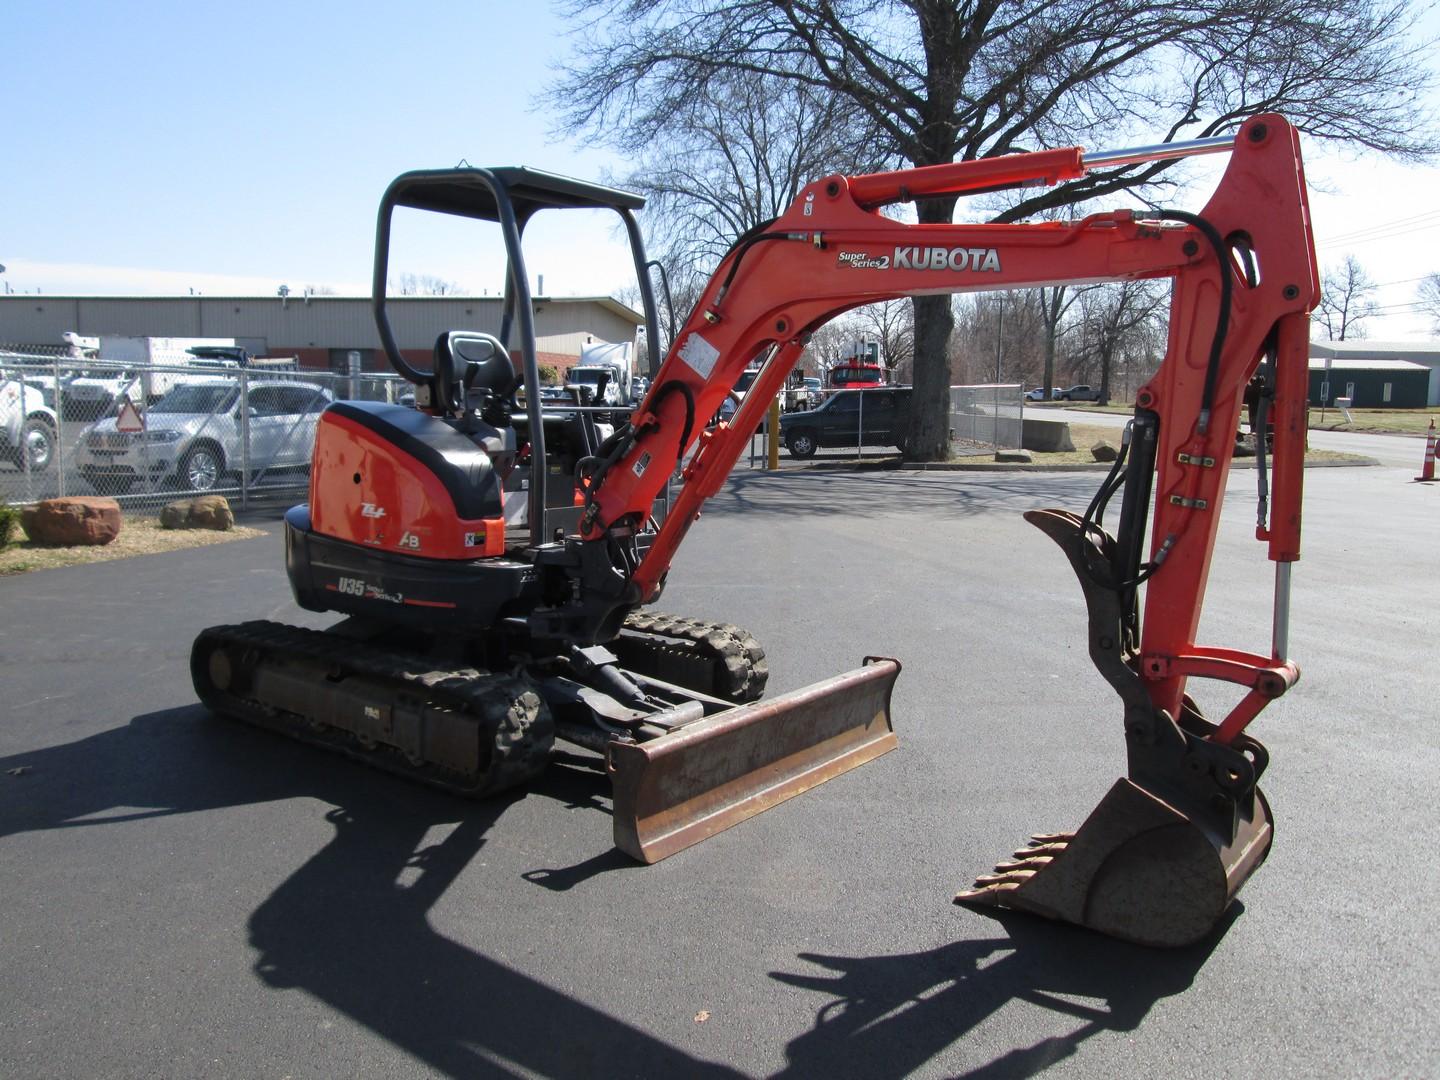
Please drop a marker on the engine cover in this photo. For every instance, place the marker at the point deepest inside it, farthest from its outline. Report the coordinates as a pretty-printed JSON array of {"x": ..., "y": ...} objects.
[{"x": 398, "y": 480}]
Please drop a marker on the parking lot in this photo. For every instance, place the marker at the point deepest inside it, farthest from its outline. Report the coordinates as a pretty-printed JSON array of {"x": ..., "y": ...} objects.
[{"x": 188, "y": 897}]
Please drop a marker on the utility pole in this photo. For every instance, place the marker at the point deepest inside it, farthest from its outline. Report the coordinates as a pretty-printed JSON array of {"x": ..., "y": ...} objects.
[{"x": 999, "y": 336}]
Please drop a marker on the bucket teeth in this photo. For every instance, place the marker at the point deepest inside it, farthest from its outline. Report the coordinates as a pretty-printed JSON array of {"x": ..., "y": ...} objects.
[
  {"x": 990, "y": 889},
  {"x": 1138, "y": 869}
]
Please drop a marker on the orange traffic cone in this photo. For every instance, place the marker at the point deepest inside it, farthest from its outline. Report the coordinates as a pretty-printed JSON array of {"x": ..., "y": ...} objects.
[{"x": 1427, "y": 474}]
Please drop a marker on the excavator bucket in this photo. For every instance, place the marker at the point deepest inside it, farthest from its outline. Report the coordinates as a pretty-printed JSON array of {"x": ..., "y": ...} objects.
[
  {"x": 678, "y": 789},
  {"x": 1162, "y": 856},
  {"x": 1137, "y": 869}
]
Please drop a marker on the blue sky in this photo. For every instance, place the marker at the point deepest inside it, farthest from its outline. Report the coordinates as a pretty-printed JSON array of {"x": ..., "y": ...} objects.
[
  {"x": 160, "y": 147},
  {"x": 255, "y": 140}
]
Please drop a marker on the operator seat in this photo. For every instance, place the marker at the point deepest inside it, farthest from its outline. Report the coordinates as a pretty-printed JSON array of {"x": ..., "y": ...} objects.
[{"x": 472, "y": 370}]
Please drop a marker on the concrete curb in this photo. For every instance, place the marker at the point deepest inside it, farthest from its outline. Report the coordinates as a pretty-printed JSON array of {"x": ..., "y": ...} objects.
[{"x": 961, "y": 466}]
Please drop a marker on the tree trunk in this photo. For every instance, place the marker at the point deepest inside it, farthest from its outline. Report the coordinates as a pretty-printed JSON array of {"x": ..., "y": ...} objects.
[{"x": 929, "y": 437}]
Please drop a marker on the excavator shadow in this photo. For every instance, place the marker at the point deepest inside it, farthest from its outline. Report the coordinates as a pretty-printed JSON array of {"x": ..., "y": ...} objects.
[
  {"x": 351, "y": 926},
  {"x": 889, "y": 1015}
]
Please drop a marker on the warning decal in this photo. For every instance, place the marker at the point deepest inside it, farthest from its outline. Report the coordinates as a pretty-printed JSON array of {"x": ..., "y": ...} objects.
[
  {"x": 129, "y": 418},
  {"x": 699, "y": 355}
]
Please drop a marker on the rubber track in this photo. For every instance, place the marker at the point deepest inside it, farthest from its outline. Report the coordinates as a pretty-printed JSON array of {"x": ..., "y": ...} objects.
[
  {"x": 738, "y": 671},
  {"x": 508, "y": 707}
]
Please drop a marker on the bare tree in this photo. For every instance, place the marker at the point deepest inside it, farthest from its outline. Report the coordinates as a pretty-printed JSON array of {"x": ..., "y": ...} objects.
[
  {"x": 829, "y": 345},
  {"x": 1116, "y": 317},
  {"x": 1345, "y": 301},
  {"x": 1055, "y": 302},
  {"x": 941, "y": 80},
  {"x": 424, "y": 285},
  {"x": 891, "y": 325},
  {"x": 734, "y": 157},
  {"x": 1427, "y": 296},
  {"x": 998, "y": 337}
]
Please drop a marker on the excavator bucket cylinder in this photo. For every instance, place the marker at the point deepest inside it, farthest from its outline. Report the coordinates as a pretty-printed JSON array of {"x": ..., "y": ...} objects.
[
  {"x": 1137, "y": 869},
  {"x": 681, "y": 788}
]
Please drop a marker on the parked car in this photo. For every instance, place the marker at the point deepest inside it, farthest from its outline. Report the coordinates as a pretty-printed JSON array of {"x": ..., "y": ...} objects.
[
  {"x": 884, "y": 413},
  {"x": 28, "y": 425},
  {"x": 192, "y": 436},
  {"x": 1079, "y": 393},
  {"x": 1038, "y": 394}
]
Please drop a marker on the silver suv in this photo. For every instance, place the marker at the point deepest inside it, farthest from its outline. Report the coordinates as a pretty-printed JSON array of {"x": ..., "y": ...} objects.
[{"x": 192, "y": 436}]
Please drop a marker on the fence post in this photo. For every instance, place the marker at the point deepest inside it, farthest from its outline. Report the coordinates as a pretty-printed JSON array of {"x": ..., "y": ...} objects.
[
  {"x": 244, "y": 438},
  {"x": 24, "y": 442},
  {"x": 59, "y": 455},
  {"x": 772, "y": 436}
]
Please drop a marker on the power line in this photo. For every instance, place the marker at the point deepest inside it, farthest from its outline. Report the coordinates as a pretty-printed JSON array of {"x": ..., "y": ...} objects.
[{"x": 1386, "y": 227}]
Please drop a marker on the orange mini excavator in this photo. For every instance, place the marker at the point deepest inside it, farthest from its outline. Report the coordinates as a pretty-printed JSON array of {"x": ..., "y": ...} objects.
[{"x": 495, "y": 553}]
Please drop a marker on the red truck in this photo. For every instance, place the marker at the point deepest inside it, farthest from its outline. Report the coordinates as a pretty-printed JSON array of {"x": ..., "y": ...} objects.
[{"x": 855, "y": 375}]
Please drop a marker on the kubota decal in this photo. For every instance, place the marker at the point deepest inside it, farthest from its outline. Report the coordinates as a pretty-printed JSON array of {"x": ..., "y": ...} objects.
[
  {"x": 938, "y": 258},
  {"x": 863, "y": 260}
]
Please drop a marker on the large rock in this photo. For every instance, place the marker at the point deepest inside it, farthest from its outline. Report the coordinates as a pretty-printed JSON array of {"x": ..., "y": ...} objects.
[
  {"x": 1104, "y": 450},
  {"x": 205, "y": 512},
  {"x": 85, "y": 520},
  {"x": 1014, "y": 457}
]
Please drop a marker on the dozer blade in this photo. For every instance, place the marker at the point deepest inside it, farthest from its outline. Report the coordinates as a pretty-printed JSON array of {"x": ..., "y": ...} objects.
[
  {"x": 1137, "y": 869},
  {"x": 678, "y": 789}
]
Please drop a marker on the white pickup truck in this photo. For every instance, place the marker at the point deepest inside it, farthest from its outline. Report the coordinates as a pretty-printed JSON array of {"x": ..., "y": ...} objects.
[{"x": 28, "y": 427}]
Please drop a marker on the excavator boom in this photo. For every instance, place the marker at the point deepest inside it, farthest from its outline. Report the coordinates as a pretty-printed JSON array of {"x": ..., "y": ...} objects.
[{"x": 1243, "y": 279}]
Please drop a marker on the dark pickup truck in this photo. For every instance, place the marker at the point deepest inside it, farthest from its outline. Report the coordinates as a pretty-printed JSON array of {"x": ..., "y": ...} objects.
[{"x": 883, "y": 412}]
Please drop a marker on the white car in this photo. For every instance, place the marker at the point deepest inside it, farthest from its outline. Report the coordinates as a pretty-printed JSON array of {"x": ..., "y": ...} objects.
[
  {"x": 192, "y": 436},
  {"x": 28, "y": 427}
]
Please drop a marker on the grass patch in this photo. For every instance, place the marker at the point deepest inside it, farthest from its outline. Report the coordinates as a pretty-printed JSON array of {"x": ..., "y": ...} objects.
[
  {"x": 1375, "y": 421},
  {"x": 1369, "y": 421},
  {"x": 138, "y": 536},
  {"x": 1084, "y": 436}
]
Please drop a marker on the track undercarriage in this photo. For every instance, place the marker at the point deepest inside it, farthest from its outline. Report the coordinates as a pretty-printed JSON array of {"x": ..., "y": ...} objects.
[{"x": 436, "y": 718}]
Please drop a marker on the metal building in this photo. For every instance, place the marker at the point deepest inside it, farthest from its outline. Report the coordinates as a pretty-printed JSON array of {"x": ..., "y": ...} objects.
[
  {"x": 321, "y": 330},
  {"x": 1371, "y": 366}
]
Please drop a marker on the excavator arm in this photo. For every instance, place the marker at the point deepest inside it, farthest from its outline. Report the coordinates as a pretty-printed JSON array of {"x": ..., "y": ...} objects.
[{"x": 1243, "y": 279}]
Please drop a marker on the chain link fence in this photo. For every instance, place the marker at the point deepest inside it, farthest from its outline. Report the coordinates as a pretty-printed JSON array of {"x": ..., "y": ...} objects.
[
  {"x": 148, "y": 434},
  {"x": 985, "y": 418},
  {"x": 856, "y": 423}
]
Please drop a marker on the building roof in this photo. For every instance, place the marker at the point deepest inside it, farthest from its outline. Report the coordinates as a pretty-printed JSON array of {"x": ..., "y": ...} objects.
[
  {"x": 1364, "y": 363},
  {"x": 609, "y": 303},
  {"x": 1377, "y": 350}
]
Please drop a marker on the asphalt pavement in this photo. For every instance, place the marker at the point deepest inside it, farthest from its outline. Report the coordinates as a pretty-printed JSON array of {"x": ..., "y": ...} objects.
[{"x": 187, "y": 897}]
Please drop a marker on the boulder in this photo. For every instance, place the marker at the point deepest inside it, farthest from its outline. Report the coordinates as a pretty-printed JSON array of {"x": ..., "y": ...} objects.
[
  {"x": 205, "y": 512},
  {"x": 211, "y": 512},
  {"x": 174, "y": 515},
  {"x": 85, "y": 520},
  {"x": 1104, "y": 451},
  {"x": 1014, "y": 457}
]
